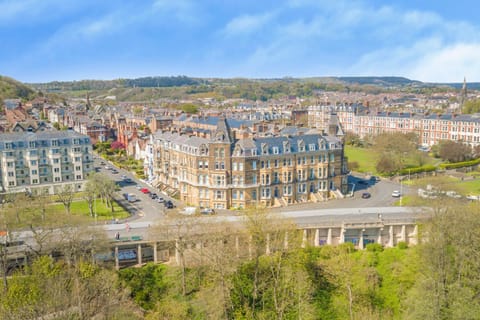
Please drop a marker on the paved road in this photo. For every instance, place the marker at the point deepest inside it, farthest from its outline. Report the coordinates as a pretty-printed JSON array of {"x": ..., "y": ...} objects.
[
  {"x": 145, "y": 208},
  {"x": 149, "y": 212}
]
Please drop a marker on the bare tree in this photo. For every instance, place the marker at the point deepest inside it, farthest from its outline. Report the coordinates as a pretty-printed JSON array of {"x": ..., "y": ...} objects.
[{"x": 65, "y": 195}]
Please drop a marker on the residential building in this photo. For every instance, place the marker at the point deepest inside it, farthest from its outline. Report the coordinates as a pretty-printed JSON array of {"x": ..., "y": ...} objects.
[
  {"x": 226, "y": 171},
  {"x": 44, "y": 161},
  {"x": 429, "y": 128}
]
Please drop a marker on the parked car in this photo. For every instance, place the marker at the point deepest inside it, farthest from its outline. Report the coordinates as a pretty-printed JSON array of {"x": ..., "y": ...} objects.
[
  {"x": 107, "y": 168},
  {"x": 153, "y": 195},
  {"x": 160, "y": 200},
  {"x": 144, "y": 190},
  {"x": 366, "y": 195},
  {"x": 169, "y": 204},
  {"x": 128, "y": 180},
  {"x": 124, "y": 177},
  {"x": 125, "y": 196},
  {"x": 396, "y": 194},
  {"x": 207, "y": 211},
  {"x": 114, "y": 171}
]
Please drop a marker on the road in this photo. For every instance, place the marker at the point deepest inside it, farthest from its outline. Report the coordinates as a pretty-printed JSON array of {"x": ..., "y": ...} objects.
[{"x": 149, "y": 212}]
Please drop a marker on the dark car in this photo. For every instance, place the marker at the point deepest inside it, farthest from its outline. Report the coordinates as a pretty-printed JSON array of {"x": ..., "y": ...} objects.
[
  {"x": 366, "y": 195},
  {"x": 128, "y": 180},
  {"x": 125, "y": 195},
  {"x": 153, "y": 195},
  {"x": 169, "y": 204}
]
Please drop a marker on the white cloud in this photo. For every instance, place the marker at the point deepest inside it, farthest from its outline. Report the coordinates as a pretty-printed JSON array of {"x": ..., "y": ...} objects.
[
  {"x": 448, "y": 64},
  {"x": 247, "y": 24},
  {"x": 185, "y": 11},
  {"x": 27, "y": 11}
]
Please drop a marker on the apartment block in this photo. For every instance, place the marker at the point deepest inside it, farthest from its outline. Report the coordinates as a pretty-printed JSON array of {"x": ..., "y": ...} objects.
[
  {"x": 224, "y": 171},
  {"x": 44, "y": 162}
]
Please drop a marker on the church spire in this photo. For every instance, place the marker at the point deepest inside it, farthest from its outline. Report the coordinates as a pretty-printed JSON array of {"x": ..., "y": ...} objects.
[{"x": 463, "y": 94}]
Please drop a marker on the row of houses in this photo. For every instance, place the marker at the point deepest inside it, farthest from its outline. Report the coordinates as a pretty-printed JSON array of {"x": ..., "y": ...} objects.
[{"x": 429, "y": 128}]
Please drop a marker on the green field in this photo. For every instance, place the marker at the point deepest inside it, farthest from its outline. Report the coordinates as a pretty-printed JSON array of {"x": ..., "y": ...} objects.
[
  {"x": 447, "y": 183},
  {"x": 366, "y": 158},
  {"x": 103, "y": 213}
]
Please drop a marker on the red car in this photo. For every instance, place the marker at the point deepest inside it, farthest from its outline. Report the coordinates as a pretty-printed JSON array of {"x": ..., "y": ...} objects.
[{"x": 144, "y": 190}]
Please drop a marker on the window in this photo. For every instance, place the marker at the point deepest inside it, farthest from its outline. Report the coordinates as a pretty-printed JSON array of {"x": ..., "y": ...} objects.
[
  {"x": 11, "y": 174},
  {"x": 56, "y": 170},
  {"x": 34, "y": 181},
  {"x": 275, "y": 150},
  {"x": 11, "y": 183},
  {"x": 254, "y": 165},
  {"x": 78, "y": 168},
  {"x": 254, "y": 179},
  {"x": 218, "y": 195},
  {"x": 234, "y": 166},
  {"x": 240, "y": 166},
  {"x": 302, "y": 188},
  {"x": 265, "y": 192},
  {"x": 57, "y": 179},
  {"x": 33, "y": 162},
  {"x": 254, "y": 194},
  {"x": 77, "y": 159},
  {"x": 34, "y": 171},
  {"x": 276, "y": 163},
  {"x": 311, "y": 147},
  {"x": 79, "y": 177},
  {"x": 10, "y": 164}
]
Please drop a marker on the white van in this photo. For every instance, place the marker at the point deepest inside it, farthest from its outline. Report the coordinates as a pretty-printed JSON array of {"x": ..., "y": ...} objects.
[{"x": 131, "y": 197}]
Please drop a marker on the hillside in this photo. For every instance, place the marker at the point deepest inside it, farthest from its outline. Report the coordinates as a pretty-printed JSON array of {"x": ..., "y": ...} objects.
[{"x": 12, "y": 89}]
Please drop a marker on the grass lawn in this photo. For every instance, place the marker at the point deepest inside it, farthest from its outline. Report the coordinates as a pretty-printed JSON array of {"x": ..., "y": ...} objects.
[
  {"x": 447, "y": 183},
  {"x": 103, "y": 213},
  {"x": 366, "y": 158}
]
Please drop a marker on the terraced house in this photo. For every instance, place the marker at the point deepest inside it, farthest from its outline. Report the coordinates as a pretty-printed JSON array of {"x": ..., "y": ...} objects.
[
  {"x": 227, "y": 171},
  {"x": 44, "y": 161}
]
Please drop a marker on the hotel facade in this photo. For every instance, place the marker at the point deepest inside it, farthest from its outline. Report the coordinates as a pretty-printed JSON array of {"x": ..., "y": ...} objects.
[{"x": 228, "y": 172}]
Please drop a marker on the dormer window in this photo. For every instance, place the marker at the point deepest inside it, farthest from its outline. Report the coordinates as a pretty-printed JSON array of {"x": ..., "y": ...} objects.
[
  {"x": 311, "y": 147},
  {"x": 286, "y": 147},
  {"x": 301, "y": 146},
  {"x": 275, "y": 150},
  {"x": 254, "y": 152},
  {"x": 264, "y": 148}
]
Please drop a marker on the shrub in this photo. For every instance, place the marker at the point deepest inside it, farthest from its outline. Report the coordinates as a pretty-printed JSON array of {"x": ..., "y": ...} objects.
[
  {"x": 402, "y": 245},
  {"x": 374, "y": 247}
]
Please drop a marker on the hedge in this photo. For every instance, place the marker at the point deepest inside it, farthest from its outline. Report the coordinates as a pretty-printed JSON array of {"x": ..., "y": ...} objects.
[
  {"x": 426, "y": 168},
  {"x": 459, "y": 164}
]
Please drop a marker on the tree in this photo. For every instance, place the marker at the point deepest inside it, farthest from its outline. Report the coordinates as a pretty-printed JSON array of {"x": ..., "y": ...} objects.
[
  {"x": 91, "y": 191},
  {"x": 189, "y": 108},
  {"x": 471, "y": 106},
  {"x": 453, "y": 151},
  {"x": 448, "y": 282},
  {"x": 65, "y": 195}
]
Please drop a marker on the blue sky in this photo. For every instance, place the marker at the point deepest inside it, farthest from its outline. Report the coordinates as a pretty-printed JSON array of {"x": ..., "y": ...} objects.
[{"x": 46, "y": 40}]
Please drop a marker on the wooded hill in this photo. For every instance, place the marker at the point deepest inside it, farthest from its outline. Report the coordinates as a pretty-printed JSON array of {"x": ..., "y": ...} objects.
[{"x": 12, "y": 89}]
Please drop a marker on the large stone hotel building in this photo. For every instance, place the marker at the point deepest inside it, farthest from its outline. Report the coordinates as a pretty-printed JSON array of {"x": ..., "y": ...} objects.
[
  {"x": 44, "y": 161},
  {"x": 234, "y": 172}
]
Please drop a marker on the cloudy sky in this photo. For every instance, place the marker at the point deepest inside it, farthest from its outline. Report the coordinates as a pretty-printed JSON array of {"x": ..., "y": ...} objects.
[{"x": 428, "y": 40}]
